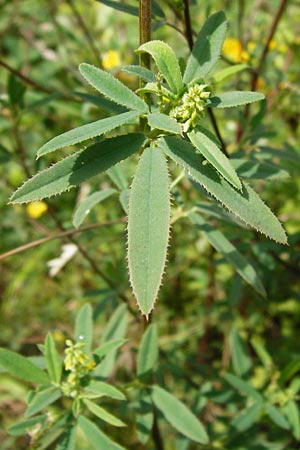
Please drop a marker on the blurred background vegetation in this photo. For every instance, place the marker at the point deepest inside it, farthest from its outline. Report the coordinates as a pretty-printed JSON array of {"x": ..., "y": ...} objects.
[{"x": 206, "y": 314}]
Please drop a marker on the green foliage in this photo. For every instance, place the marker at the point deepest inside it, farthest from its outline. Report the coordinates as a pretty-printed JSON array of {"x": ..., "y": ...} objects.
[{"x": 218, "y": 364}]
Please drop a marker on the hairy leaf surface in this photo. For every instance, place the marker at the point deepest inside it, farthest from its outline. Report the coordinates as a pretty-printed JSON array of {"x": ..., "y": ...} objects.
[
  {"x": 166, "y": 62},
  {"x": 79, "y": 167},
  {"x": 164, "y": 123},
  {"x": 207, "y": 47},
  {"x": 203, "y": 141},
  {"x": 112, "y": 88},
  {"x": 235, "y": 98},
  {"x": 87, "y": 131},
  {"x": 148, "y": 227},
  {"x": 246, "y": 204}
]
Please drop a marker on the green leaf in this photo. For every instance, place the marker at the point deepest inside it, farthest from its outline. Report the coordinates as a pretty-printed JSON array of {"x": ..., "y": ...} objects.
[
  {"x": 234, "y": 98},
  {"x": 276, "y": 416},
  {"x": 246, "y": 270},
  {"x": 84, "y": 327},
  {"x": 108, "y": 347},
  {"x": 291, "y": 409},
  {"x": 67, "y": 441},
  {"x": 246, "y": 205},
  {"x": 289, "y": 371},
  {"x": 112, "y": 88},
  {"x": 96, "y": 437},
  {"x": 88, "y": 203},
  {"x": 22, "y": 427},
  {"x": 115, "y": 329},
  {"x": 103, "y": 414},
  {"x": 148, "y": 351},
  {"x": 53, "y": 358},
  {"x": 20, "y": 367},
  {"x": 148, "y": 227},
  {"x": 104, "y": 389},
  {"x": 103, "y": 103},
  {"x": 255, "y": 169},
  {"x": 118, "y": 176},
  {"x": 221, "y": 75},
  {"x": 239, "y": 355},
  {"x": 164, "y": 123},
  {"x": 142, "y": 72},
  {"x": 144, "y": 416},
  {"x": 178, "y": 415},
  {"x": 204, "y": 142},
  {"x": 132, "y": 10},
  {"x": 166, "y": 62},
  {"x": 243, "y": 386},
  {"x": 77, "y": 168},
  {"x": 41, "y": 399},
  {"x": 87, "y": 131},
  {"x": 248, "y": 417},
  {"x": 207, "y": 47}
]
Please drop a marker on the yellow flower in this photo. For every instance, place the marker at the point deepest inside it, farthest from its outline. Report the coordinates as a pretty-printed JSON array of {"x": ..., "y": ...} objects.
[
  {"x": 111, "y": 59},
  {"x": 36, "y": 209},
  {"x": 232, "y": 49}
]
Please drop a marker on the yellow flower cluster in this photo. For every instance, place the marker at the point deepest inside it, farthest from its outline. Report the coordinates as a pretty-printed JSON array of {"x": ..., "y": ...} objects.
[{"x": 79, "y": 365}]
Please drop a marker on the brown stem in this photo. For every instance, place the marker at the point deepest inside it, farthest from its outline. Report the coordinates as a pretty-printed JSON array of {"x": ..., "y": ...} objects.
[
  {"x": 145, "y": 29},
  {"x": 266, "y": 48},
  {"x": 217, "y": 131},
  {"x": 53, "y": 237},
  {"x": 156, "y": 434},
  {"x": 188, "y": 26},
  {"x": 36, "y": 85}
]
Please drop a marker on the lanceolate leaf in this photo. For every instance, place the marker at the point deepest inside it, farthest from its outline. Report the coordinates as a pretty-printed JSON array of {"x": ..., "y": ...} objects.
[
  {"x": 67, "y": 441},
  {"x": 221, "y": 75},
  {"x": 207, "y": 47},
  {"x": 164, "y": 123},
  {"x": 203, "y": 141},
  {"x": 166, "y": 62},
  {"x": 104, "y": 389},
  {"x": 96, "y": 437},
  {"x": 230, "y": 252},
  {"x": 148, "y": 227},
  {"x": 103, "y": 414},
  {"x": 54, "y": 361},
  {"x": 178, "y": 415},
  {"x": 88, "y": 203},
  {"x": 141, "y": 72},
  {"x": 20, "y": 367},
  {"x": 112, "y": 88},
  {"x": 148, "y": 351},
  {"x": 87, "y": 132},
  {"x": 246, "y": 204},
  {"x": 22, "y": 427},
  {"x": 248, "y": 417},
  {"x": 41, "y": 399},
  {"x": 84, "y": 327},
  {"x": 79, "y": 167},
  {"x": 114, "y": 330},
  {"x": 235, "y": 98}
]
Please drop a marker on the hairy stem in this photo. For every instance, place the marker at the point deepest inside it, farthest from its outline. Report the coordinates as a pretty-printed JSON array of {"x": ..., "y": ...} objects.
[{"x": 145, "y": 29}]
